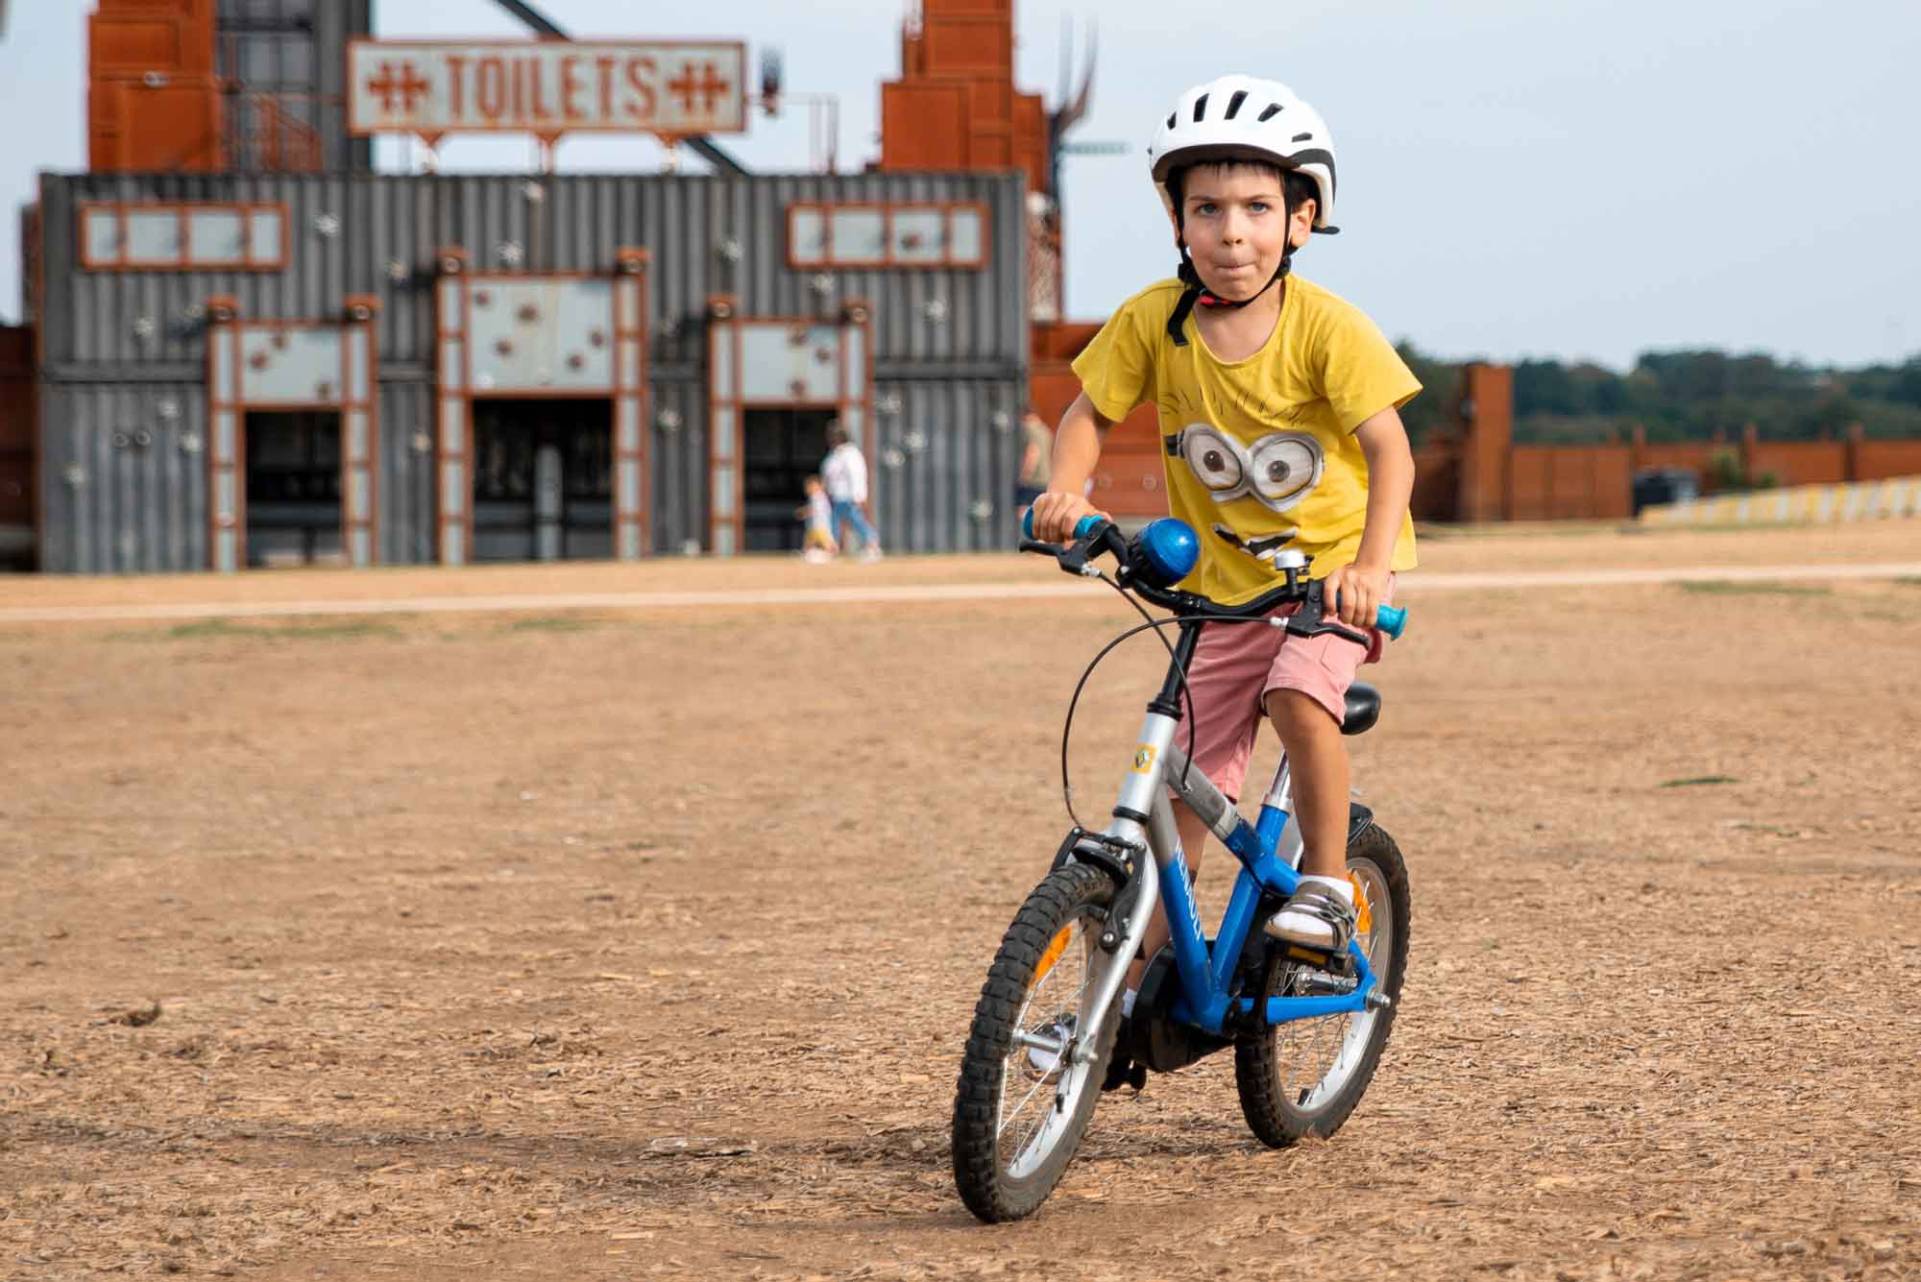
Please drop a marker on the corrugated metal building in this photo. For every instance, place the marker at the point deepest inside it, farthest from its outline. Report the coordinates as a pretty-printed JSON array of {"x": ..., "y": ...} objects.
[{"x": 260, "y": 367}]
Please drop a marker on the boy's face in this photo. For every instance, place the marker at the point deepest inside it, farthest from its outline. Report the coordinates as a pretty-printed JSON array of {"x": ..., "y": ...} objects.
[{"x": 1234, "y": 219}]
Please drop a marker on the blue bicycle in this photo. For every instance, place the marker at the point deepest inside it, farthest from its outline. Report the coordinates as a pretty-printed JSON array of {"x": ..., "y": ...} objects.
[{"x": 1307, "y": 1026}]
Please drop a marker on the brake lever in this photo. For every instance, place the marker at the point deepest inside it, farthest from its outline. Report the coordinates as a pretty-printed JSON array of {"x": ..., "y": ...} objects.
[{"x": 1310, "y": 620}]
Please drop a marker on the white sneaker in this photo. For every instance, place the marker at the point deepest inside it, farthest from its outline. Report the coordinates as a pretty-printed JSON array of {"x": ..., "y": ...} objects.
[
  {"x": 870, "y": 554},
  {"x": 1319, "y": 914}
]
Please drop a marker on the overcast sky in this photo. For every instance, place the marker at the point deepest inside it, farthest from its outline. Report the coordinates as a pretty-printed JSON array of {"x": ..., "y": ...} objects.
[{"x": 1575, "y": 178}]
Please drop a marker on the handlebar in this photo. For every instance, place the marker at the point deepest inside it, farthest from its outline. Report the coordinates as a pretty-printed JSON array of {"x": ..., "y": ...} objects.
[{"x": 1094, "y": 535}]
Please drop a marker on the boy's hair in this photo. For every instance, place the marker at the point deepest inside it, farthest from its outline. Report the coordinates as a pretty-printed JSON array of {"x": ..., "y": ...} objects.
[
  {"x": 813, "y": 479},
  {"x": 1297, "y": 187},
  {"x": 836, "y": 434}
]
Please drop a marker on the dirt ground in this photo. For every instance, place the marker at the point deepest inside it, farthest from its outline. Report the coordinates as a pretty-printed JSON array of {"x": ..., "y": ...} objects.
[{"x": 612, "y": 945}]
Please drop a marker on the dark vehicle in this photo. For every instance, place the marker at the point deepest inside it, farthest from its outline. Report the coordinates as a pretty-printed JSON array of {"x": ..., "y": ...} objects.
[{"x": 1656, "y": 485}]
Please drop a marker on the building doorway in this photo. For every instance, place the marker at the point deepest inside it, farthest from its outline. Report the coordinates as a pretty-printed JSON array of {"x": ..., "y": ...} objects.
[
  {"x": 784, "y": 446},
  {"x": 293, "y": 488},
  {"x": 543, "y": 480}
]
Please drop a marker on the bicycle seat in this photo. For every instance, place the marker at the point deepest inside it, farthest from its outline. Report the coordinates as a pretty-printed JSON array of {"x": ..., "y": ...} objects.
[{"x": 1363, "y": 708}]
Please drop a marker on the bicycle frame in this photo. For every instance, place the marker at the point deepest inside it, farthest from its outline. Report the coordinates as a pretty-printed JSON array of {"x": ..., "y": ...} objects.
[{"x": 1268, "y": 849}]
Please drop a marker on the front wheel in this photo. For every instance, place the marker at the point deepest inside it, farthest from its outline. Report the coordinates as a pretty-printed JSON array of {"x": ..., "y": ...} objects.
[
  {"x": 1032, "y": 1069},
  {"x": 1304, "y": 1077}
]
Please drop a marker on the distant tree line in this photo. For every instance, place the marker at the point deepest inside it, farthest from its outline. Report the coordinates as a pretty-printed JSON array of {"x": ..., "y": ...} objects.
[{"x": 1684, "y": 396}]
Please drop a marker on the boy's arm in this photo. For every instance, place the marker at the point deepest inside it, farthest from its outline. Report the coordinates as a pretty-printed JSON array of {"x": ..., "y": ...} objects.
[
  {"x": 1077, "y": 448},
  {"x": 1355, "y": 591}
]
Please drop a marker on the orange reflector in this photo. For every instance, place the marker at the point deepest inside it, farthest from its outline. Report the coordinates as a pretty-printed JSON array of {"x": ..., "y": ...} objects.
[
  {"x": 1363, "y": 914},
  {"x": 1055, "y": 948}
]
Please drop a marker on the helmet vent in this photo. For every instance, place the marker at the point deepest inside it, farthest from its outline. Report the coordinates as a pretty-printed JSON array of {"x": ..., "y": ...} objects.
[
  {"x": 1234, "y": 103},
  {"x": 1303, "y": 137},
  {"x": 1200, "y": 108},
  {"x": 1273, "y": 110},
  {"x": 1170, "y": 120}
]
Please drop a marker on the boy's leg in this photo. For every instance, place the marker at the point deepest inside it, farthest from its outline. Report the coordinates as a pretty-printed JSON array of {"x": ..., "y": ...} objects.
[{"x": 1317, "y": 761}]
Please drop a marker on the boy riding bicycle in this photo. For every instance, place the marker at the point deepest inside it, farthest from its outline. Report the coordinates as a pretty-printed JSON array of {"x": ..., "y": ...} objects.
[{"x": 1278, "y": 416}]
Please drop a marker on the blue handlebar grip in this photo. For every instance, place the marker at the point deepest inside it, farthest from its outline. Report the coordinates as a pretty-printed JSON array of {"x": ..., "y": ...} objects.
[
  {"x": 1391, "y": 619},
  {"x": 1082, "y": 528}
]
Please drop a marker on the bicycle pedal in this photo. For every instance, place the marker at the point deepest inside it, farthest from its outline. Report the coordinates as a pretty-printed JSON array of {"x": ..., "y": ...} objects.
[{"x": 1319, "y": 958}]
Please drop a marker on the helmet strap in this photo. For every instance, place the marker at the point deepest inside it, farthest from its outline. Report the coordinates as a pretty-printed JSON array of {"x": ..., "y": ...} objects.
[{"x": 1196, "y": 292}]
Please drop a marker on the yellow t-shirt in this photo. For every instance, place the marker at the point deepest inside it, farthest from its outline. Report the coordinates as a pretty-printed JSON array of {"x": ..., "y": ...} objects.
[{"x": 1260, "y": 453}]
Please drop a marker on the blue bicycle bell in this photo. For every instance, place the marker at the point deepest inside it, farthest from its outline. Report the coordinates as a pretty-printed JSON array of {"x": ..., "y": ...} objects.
[{"x": 1165, "y": 552}]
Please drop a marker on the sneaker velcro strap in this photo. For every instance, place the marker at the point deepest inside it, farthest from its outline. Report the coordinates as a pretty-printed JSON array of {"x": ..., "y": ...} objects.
[{"x": 1327, "y": 907}]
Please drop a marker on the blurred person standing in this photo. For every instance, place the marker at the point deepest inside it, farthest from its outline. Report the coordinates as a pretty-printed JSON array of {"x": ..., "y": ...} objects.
[
  {"x": 1036, "y": 466},
  {"x": 844, "y": 474}
]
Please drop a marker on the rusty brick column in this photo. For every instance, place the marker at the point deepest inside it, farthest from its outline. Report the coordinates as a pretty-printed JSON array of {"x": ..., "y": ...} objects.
[{"x": 1487, "y": 436}]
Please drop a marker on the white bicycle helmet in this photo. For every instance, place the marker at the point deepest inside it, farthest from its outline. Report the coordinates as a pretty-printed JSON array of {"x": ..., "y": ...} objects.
[{"x": 1247, "y": 118}]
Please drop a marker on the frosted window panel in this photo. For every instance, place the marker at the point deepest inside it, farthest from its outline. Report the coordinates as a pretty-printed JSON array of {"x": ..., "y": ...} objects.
[
  {"x": 920, "y": 235},
  {"x": 965, "y": 235},
  {"x": 214, "y": 237},
  {"x": 269, "y": 235},
  {"x": 153, "y": 236},
  {"x": 807, "y": 237},
  {"x": 860, "y": 236},
  {"x": 103, "y": 235},
  {"x": 453, "y": 427}
]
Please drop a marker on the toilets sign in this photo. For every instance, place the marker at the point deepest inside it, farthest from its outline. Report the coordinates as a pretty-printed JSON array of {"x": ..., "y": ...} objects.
[{"x": 547, "y": 88}]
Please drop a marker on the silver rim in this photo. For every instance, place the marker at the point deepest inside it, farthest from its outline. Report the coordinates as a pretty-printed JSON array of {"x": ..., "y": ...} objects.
[
  {"x": 1036, "y": 1107},
  {"x": 1316, "y": 1058}
]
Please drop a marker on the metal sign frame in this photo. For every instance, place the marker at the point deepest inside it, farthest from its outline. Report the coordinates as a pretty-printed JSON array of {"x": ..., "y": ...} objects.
[{"x": 517, "y": 92}]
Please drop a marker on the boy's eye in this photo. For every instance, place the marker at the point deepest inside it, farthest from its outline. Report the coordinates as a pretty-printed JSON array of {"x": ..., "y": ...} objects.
[
  {"x": 1257, "y": 206},
  {"x": 1205, "y": 207}
]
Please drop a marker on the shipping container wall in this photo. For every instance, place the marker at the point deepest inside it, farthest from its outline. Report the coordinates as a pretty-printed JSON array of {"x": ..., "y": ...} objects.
[
  {"x": 379, "y": 235},
  {"x": 949, "y": 343},
  {"x": 123, "y": 477},
  {"x": 943, "y": 465}
]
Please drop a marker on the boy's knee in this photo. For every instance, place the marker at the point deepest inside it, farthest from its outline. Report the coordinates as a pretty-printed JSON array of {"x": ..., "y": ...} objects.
[{"x": 1292, "y": 710}]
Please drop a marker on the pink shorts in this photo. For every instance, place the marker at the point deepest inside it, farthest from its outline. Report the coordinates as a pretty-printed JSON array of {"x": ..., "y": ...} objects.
[{"x": 1236, "y": 664}]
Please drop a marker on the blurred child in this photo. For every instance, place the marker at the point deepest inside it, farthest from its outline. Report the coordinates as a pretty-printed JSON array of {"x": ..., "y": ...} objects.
[{"x": 817, "y": 544}]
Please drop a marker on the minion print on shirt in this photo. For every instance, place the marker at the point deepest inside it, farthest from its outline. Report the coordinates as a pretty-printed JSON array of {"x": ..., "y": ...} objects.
[{"x": 1260, "y": 453}]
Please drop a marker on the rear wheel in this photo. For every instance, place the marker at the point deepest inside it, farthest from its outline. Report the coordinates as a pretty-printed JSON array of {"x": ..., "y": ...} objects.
[
  {"x": 1304, "y": 1077},
  {"x": 1032, "y": 1069}
]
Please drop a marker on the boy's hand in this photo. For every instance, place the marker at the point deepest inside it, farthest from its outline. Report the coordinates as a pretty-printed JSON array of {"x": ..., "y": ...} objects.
[
  {"x": 1353, "y": 595},
  {"x": 1057, "y": 512}
]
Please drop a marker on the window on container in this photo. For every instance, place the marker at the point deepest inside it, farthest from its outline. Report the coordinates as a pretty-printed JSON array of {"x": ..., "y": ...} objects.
[
  {"x": 924, "y": 234},
  {"x": 161, "y": 237}
]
